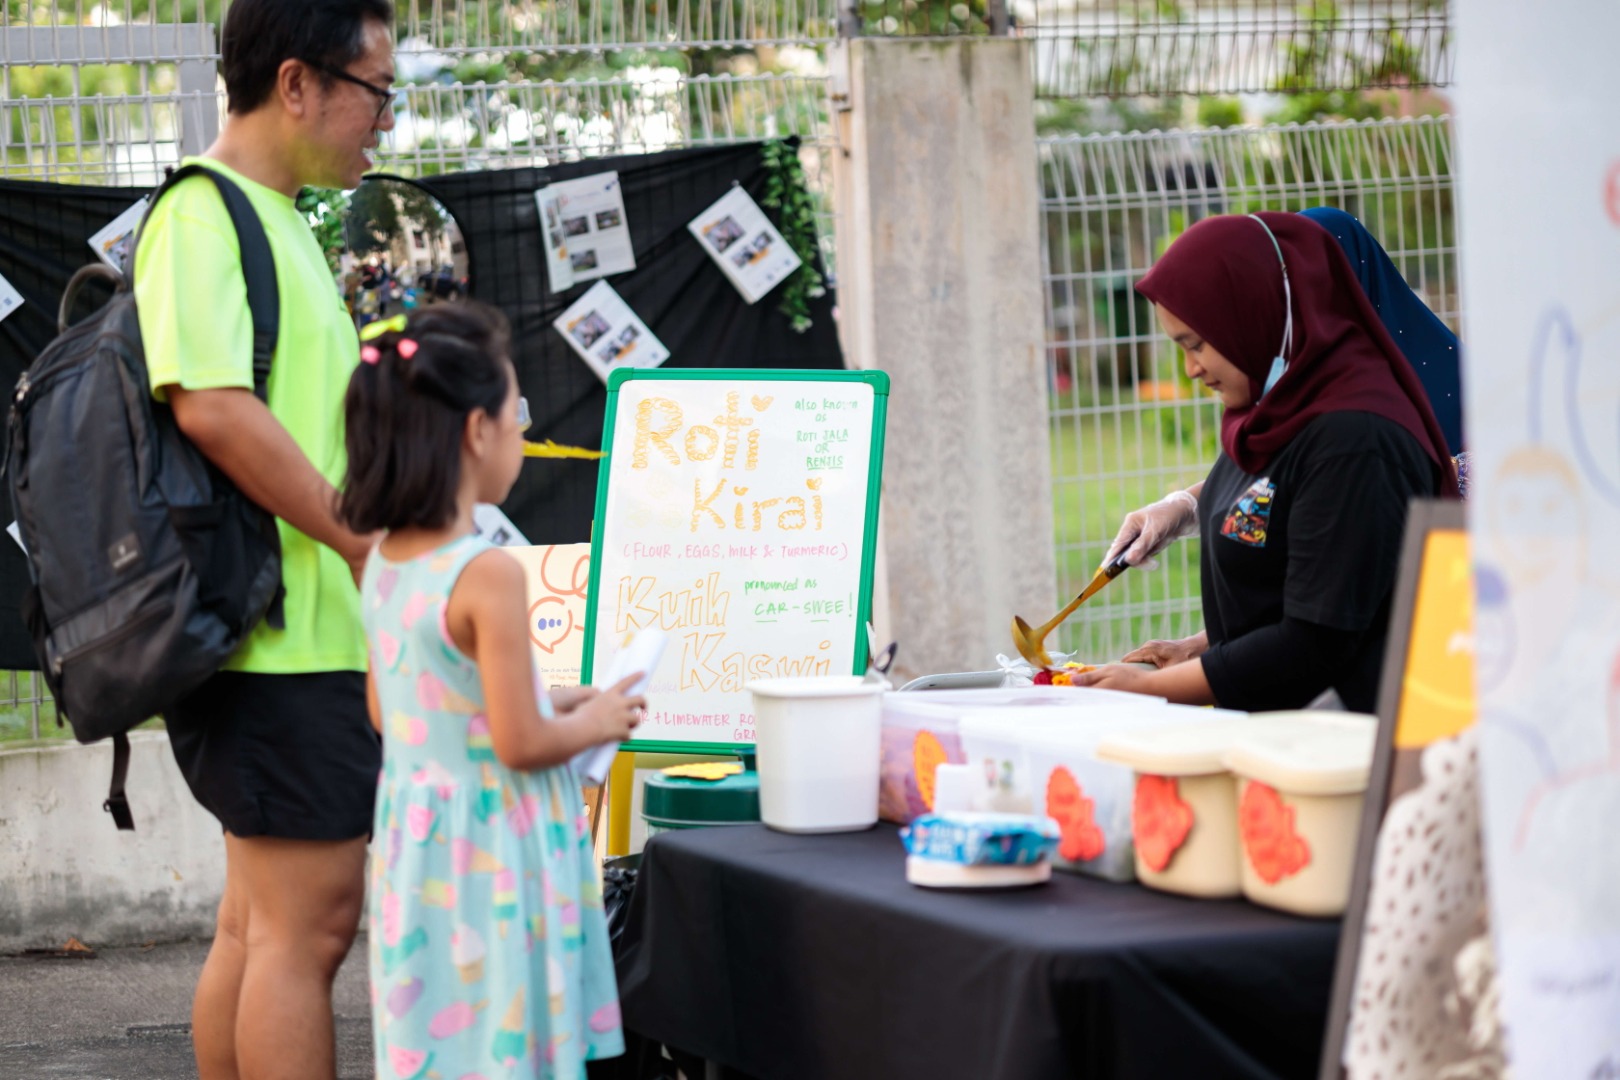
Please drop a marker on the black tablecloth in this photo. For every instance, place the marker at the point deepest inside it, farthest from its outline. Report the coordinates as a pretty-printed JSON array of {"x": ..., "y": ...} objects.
[{"x": 810, "y": 956}]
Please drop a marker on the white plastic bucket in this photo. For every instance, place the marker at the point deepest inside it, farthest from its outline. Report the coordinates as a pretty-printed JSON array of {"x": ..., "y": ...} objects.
[{"x": 819, "y": 746}]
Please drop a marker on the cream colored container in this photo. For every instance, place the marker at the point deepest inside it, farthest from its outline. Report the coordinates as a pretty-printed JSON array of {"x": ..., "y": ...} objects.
[
  {"x": 1300, "y": 792},
  {"x": 1184, "y": 802}
]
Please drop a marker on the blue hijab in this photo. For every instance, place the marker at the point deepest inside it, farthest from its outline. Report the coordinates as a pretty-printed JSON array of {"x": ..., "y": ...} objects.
[{"x": 1429, "y": 345}]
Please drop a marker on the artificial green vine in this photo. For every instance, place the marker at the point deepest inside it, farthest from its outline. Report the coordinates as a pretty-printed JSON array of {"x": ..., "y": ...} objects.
[{"x": 787, "y": 193}]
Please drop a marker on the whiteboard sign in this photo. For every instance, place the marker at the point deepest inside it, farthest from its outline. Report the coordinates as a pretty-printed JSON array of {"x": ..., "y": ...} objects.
[{"x": 737, "y": 512}]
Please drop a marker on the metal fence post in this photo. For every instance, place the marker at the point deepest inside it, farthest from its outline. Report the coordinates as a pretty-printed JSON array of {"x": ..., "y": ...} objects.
[
  {"x": 996, "y": 15},
  {"x": 849, "y": 18}
]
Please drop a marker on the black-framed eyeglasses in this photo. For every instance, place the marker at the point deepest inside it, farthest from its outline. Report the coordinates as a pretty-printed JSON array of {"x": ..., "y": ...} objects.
[{"x": 385, "y": 96}]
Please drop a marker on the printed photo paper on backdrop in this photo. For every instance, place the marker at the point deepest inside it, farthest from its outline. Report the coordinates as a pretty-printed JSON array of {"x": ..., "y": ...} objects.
[
  {"x": 607, "y": 335},
  {"x": 10, "y": 298},
  {"x": 744, "y": 244},
  {"x": 554, "y": 242},
  {"x": 585, "y": 231},
  {"x": 111, "y": 244},
  {"x": 494, "y": 526}
]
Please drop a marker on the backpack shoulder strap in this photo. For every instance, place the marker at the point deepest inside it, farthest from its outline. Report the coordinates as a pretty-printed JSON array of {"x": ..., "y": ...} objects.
[
  {"x": 264, "y": 305},
  {"x": 258, "y": 265},
  {"x": 117, "y": 803}
]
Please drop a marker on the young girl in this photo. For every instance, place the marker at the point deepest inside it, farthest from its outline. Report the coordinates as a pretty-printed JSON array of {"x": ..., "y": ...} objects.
[{"x": 489, "y": 951}]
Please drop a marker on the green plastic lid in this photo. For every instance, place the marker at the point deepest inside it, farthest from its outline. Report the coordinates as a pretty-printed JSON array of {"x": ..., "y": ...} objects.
[{"x": 683, "y": 802}]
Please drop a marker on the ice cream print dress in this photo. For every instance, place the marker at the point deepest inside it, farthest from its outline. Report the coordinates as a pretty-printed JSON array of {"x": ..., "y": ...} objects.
[{"x": 489, "y": 951}]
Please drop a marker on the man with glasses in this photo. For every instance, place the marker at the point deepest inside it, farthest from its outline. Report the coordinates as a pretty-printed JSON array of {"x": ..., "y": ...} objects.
[{"x": 278, "y": 745}]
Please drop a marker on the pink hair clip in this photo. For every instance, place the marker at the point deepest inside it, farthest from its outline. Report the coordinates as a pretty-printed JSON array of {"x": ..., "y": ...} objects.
[
  {"x": 369, "y": 354},
  {"x": 406, "y": 348}
]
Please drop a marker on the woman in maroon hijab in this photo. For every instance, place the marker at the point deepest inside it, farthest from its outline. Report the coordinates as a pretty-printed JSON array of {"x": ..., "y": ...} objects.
[{"x": 1326, "y": 436}]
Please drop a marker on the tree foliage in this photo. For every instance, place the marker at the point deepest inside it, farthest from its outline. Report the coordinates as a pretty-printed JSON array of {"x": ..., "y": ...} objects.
[
  {"x": 380, "y": 210},
  {"x": 324, "y": 208}
]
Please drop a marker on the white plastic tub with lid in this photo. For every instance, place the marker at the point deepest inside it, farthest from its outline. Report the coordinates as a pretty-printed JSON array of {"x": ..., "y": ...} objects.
[
  {"x": 1300, "y": 792},
  {"x": 1184, "y": 802},
  {"x": 817, "y": 741}
]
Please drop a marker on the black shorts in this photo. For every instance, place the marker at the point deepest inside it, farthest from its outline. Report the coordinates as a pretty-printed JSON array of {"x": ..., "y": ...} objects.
[{"x": 289, "y": 756}]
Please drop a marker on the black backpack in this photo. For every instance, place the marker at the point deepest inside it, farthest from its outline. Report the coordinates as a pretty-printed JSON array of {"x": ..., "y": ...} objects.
[{"x": 148, "y": 567}]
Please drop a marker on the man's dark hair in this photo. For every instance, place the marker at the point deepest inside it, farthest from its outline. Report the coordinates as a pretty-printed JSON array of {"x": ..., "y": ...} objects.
[
  {"x": 405, "y": 412},
  {"x": 260, "y": 35}
]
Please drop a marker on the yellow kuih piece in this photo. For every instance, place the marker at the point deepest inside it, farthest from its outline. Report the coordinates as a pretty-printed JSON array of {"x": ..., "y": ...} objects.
[{"x": 706, "y": 770}]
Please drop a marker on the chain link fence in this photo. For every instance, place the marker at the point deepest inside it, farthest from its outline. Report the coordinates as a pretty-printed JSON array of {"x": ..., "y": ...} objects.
[
  {"x": 1127, "y": 425},
  {"x": 1098, "y": 47}
]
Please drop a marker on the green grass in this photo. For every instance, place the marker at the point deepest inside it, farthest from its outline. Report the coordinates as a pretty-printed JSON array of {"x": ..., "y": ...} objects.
[
  {"x": 16, "y": 721},
  {"x": 1105, "y": 463}
]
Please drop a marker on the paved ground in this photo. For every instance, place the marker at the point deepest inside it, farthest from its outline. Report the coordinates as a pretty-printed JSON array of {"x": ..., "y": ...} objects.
[{"x": 125, "y": 1015}]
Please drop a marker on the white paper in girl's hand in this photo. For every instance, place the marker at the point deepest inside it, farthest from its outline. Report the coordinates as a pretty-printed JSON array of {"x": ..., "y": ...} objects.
[{"x": 641, "y": 653}]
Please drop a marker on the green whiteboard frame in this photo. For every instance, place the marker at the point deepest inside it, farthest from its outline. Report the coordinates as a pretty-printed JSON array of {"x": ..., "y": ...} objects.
[{"x": 877, "y": 380}]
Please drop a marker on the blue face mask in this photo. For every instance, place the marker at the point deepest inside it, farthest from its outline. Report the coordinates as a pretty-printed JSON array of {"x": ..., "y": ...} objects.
[{"x": 1279, "y": 364}]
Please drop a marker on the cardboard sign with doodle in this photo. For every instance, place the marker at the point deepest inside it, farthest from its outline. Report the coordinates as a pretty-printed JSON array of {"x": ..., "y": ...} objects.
[
  {"x": 1404, "y": 981},
  {"x": 557, "y": 576}
]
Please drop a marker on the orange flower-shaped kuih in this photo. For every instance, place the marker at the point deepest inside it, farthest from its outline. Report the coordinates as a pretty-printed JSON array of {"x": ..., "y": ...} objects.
[
  {"x": 1160, "y": 821},
  {"x": 1067, "y": 804},
  {"x": 1266, "y": 824},
  {"x": 927, "y": 755}
]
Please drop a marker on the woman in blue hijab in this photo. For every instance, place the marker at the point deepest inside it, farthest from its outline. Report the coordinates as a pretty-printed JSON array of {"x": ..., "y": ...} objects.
[{"x": 1429, "y": 345}]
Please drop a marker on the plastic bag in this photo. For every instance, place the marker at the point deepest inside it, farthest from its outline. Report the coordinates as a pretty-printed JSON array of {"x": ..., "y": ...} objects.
[
  {"x": 1016, "y": 671},
  {"x": 618, "y": 886}
]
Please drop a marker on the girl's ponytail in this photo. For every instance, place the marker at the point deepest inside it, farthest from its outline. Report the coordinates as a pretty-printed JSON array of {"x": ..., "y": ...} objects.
[{"x": 407, "y": 404}]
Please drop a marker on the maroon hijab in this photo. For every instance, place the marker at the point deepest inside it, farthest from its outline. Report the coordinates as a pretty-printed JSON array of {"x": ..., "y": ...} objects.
[{"x": 1222, "y": 278}]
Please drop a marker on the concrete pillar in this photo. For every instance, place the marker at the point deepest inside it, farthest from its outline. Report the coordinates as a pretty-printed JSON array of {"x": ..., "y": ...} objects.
[{"x": 939, "y": 284}]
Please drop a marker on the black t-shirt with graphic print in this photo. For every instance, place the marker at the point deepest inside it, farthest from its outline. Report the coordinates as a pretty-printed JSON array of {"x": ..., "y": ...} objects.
[{"x": 1299, "y": 563}]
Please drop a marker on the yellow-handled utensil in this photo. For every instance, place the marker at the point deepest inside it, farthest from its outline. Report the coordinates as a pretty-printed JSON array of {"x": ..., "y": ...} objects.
[{"x": 1031, "y": 643}]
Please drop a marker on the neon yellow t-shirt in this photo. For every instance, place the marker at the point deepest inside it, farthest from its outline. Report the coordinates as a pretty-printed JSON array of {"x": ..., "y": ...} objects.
[{"x": 198, "y": 334}]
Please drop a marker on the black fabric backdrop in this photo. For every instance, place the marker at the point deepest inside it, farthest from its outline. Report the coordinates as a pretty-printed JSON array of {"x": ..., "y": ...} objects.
[
  {"x": 809, "y": 957},
  {"x": 676, "y": 289}
]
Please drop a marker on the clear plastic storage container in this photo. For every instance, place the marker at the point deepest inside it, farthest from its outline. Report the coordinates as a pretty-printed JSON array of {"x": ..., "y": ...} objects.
[{"x": 921, "y": 731}]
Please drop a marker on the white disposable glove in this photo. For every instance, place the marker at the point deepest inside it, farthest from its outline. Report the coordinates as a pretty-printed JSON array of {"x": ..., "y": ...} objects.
[{"x": 1150, "y": 530}]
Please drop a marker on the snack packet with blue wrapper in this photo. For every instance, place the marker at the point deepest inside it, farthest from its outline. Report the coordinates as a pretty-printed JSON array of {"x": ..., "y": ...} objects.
[{"x": 982, "y": 839}]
